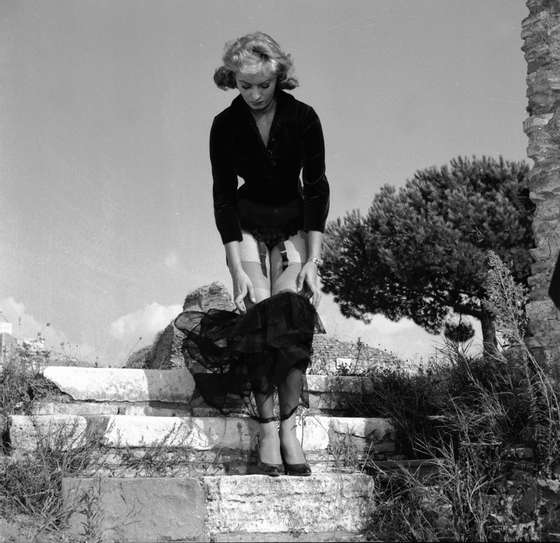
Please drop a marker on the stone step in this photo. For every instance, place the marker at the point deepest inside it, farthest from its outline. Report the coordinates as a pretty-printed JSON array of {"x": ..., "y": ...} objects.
[
  {"x": 138, "y": 445},
  {"x": 221, "y": 508},
  {"x": 116, "y": 391},
  {"x": 122, "y": 385},
  {"x": 337, "y": 536}
]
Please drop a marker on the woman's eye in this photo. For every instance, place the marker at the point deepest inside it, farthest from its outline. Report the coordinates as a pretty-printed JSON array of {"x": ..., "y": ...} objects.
[
  {"x": 265, "y": 85},
  {"x": 245, "y": 87}
]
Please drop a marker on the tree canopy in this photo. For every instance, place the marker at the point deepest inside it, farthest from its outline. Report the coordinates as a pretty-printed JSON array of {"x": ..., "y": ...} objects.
[{"x": 421, "y": 250}]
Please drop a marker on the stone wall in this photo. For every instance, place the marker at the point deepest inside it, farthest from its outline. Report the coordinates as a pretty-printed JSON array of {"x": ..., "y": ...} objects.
[
  {"x": 332, "y": 356},
  {"x": 541, "y": 37}
]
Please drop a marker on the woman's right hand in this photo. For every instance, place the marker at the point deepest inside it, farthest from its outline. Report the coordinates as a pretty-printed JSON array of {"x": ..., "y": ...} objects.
[{"x": 242, "y": 286}]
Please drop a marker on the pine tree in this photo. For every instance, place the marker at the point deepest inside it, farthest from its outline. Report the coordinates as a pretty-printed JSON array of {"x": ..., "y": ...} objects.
[{"x": 420, "y": 251}]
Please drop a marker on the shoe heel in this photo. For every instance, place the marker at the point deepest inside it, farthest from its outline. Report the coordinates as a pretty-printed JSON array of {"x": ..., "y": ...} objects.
[
  {"x": 298, "y": 470},
  {"x": 272, "y": 470}
]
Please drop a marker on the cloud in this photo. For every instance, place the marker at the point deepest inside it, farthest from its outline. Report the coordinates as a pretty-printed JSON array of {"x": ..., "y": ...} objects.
[
  {"x": 171, "y": 260},
  {"x": 26, "y": 326},
  {"x": 403, "y": 338},
  {"x": 144, "y": 323}
]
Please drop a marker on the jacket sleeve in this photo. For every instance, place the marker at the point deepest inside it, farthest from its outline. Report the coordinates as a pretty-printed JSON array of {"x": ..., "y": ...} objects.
[
  {"x": 316, "y": 194},
  {"x": 224, "y": 187}
]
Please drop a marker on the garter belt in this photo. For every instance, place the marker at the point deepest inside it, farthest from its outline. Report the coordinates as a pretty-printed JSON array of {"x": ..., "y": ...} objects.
[{"x": 263, "y": 251}]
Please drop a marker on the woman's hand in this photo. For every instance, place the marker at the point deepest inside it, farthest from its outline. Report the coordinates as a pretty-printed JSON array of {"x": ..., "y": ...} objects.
[
  {"x": 242, "y": 286},
  {"x": 308, "y": 279}
]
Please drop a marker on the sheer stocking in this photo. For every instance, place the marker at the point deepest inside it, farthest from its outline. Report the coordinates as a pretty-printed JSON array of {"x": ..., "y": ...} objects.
[
  {"x": 292, "y": 451},
  {"x": 269, "y": 442},
  {"x": 288, "y": 397},
  {"x": 277, "y": 279}
]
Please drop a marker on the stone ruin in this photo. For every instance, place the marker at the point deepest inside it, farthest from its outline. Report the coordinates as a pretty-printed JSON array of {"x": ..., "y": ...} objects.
[
  {"x": 330, "y": 355},
  {"x": 541, "y": 45},
  {"x": 165, "y": 352}
]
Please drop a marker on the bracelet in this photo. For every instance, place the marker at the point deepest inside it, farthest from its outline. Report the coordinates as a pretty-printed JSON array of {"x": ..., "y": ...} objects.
[{"x": 316, "y": 260}]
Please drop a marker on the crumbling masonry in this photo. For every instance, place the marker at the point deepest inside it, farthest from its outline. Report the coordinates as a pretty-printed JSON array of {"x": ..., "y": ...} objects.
[{"x": 541, "y": 37}]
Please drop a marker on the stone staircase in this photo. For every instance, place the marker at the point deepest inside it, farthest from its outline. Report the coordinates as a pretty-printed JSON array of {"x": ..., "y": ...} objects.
[{"x": 168, "y": 468}]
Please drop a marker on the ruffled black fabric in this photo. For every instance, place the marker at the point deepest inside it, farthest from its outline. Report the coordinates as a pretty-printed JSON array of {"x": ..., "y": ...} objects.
[{"x": 237, "y": 354}]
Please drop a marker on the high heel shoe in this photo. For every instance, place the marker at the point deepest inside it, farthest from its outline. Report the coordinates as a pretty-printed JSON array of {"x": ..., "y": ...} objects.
[
  {"x": 301, "y": 470},
  {"x": 272, "y": 470},
  {"x": 264, "y": 468}
]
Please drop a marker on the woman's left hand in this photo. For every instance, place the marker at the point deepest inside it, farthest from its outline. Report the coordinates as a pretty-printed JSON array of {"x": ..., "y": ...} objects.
[{"x": 308, "y": 279}]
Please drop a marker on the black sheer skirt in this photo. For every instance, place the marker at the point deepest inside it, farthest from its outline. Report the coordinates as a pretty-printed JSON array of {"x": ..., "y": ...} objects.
[{"x": 238, "y": 355}]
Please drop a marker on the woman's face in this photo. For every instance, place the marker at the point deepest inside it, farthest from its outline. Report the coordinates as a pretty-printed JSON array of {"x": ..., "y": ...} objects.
[{"x": 257, "y": 85}]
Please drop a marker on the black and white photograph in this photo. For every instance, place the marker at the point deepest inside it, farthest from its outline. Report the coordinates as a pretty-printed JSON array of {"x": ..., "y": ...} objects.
[{"x": 279, "y": 270}]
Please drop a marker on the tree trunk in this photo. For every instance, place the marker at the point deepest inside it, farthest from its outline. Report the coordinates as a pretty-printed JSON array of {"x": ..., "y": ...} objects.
[{"x": 489, "y": 340}]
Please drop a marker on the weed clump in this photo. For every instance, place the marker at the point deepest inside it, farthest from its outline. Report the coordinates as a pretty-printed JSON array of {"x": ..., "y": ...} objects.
[
  {"x": 21, "y": 383},
  {"x": 31, "y": 482},
  {"x": 474, "y": 417}
]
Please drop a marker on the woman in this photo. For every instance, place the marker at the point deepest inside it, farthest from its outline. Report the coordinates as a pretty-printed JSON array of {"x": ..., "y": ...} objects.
[{"x": 271, "y": 228}]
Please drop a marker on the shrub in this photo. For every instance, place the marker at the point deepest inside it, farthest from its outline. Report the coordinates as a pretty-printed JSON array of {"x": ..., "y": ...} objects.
[
  {"x": 486, "y": 406},
  {"x": 21, "y": 382}
]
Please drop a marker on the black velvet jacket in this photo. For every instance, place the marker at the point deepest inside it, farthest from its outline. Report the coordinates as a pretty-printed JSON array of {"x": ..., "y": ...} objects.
[{"x": 272, "y": 173}]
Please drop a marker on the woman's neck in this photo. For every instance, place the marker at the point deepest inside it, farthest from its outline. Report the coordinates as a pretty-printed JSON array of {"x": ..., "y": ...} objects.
[{"x": 266, "y": 111}]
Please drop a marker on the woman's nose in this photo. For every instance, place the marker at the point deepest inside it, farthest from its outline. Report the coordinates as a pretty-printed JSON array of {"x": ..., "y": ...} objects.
[{"x": 256, "y": 96}]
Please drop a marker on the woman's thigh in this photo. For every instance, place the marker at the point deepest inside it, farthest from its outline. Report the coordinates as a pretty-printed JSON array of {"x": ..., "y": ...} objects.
[
  {"x": 296, "y": 252},
  {"x": 251, "y": 264}
]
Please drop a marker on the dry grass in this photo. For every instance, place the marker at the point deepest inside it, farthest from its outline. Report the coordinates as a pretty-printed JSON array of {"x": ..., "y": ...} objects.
[
  {"x": 478, "y": 491},
  {"x": 31, "y": 504}
]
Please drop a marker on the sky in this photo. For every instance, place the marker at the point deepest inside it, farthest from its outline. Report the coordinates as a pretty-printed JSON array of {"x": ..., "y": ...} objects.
[{"x": 106, "y": 216}]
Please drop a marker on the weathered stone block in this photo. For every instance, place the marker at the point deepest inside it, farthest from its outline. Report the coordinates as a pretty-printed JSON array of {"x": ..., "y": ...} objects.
[
  {"x": 125, "y": 385},
  {"x": 536, "y": 122},
  {"x": 40, "y": 408},
  {"x": 140, "y": 409},
  {"x": 64, "y": 431},
  {"x": 335, "y": 394},
  {"x": 198, "y": 433},
  {"x": 546, "y": 249},
  {"x": 549, "y": 207},
  {"x": 136, "y": 510},
  {"x": 319, "y": 434},
  {"x": 212, "y": 296},
  {"x": 359, "y": 435},
  {"x": 320, "y": 503},
  {"x": 290, "y": 537}
]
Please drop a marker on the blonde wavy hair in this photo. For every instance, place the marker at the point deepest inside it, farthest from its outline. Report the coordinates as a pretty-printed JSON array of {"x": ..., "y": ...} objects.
[{"x": 254, "y": 49}]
